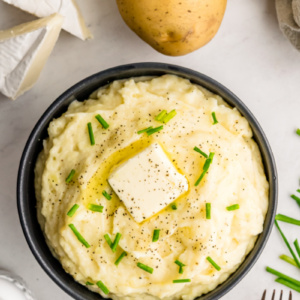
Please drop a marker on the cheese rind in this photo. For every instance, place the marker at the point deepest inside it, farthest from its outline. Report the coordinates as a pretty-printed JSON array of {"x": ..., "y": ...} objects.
[
  {"x": 24, "y": 50},
  {"x": 147, "y": 183},
  {"x": 73, "y": 22}
]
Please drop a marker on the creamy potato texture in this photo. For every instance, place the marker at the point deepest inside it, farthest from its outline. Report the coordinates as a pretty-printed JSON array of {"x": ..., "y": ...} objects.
[{"x": 235, "y": 176}]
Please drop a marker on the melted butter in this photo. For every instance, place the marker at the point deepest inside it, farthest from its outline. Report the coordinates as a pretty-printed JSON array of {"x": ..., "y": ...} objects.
[{"x": 98, "y": 183}]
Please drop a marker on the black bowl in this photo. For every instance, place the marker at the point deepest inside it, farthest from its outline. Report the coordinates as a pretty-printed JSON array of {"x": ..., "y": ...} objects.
[{"x": 25, "y": 187}]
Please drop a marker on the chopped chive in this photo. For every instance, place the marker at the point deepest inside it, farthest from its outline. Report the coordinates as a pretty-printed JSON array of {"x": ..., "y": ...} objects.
[
  {"x": 123, "y": 254},
  {"x": 155, "y": 235},
  {"x": 72, "y": 211},
  {"x": 89, "y": 283},
  {"x": 283, "y": 276},
  {"x": 95, "y": 207},
  {"x": 287, "y": 244},
  {"x": 102, "y": 286},
  {"x": 70, "y": 176},
  {"x": 211, "y": 155},
  {"x": 298, "y": 131},
  {"x": 201, "y": 152},
  {"x": 145, "y": 130},
  {"x": 214, "y": 118},
  {"x": 108, "y": 240},
  {"x": 288, "y": 284},
  {"x": 297, "y": 199},
  {"x": 181, "y": 265},
  {"x": 233, "y": 207},
  {"x": 214, "y": 264},
  {"x": 79, "y": 236},
  {"x": 208, "y": 210},
  {"x": 296, "y": 244},
  {"x": 106, "y": 195},
  {"x": 169, "y": 116},
  {"x": 116, "y": 242},
  {"x": 91, "y": 133},
  {"x": 161, "y": 115},
  {"x": 102, "y": 121},
  {"x": 207, "y": 164},
  {"x": 153, "y": 130},
  {"x": 287, "y": 219},
  {"x": 181, "y": 280},
  {"x": 174, "y": 207},
  {"x": 200, "y": 178},
  {"x": 145, "y": 268},
  {"x": 288, "y": 260},
  {"x": 298, "y": 190}
]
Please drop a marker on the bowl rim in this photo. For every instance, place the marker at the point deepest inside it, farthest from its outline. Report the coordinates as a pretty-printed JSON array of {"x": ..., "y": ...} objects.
[{"x": 76, "y": 290}]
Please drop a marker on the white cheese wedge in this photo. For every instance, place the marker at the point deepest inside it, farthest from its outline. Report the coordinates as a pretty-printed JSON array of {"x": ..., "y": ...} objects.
[
  {"x": 147, "y": 183},
  {"x": 73, "y": 22},
  {"x": 24, "y": 50}
]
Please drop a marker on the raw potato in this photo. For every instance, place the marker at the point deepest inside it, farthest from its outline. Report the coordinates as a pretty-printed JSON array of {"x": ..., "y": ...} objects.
[{"x": 173, "y": 27}]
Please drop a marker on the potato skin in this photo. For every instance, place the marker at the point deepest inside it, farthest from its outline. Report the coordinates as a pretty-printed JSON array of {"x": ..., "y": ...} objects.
[{"x": 173, "y": 27}]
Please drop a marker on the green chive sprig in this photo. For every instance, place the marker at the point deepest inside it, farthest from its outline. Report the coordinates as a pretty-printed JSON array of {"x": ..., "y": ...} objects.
[
  {"x": 89, "y": 283},
  {"x": 79, "y": 236},
  {"x": 95, "y": 207},
  {"x": 297, "y": 199},
  {"x": 214, "y": 118},
  {"x": 91, "y": 133},
  {"x": 208, "y": 210},
  {"x": 288, "y": 244},
  {"x": 123, "y": 254},
  {"x": 108, "y": 240},
  {"x": 201, "y": 152},
  {"x": 181, "y": 280},
  {"x": 72, "y": 210},
  {"x": 161, "y": 115},
  {"x": 70, "y": 176},
  {"x": 288, "y": 260},
  {"x": 288, "y": 284},
  {"x": 174, "y": 206},
  {"x": 116, "y": 242},
  {"x": 283, "y": 276},
  {"x": 206, "y": 166},
  {"x": 296, "y": 244},
  {"x": 181, "y": 265},
  {"x": 106, "y": 195},
  {"x": 298, "y": 131},
  {"x": 213, "y": 263},
  {"x": 155, "y": 237},
  {"x": 169, "y": 116},
  {"x": 144, "y": 130},
  {"x": 102, "y": 121},
  {"x": 145, "y": 268},
  {"x": 154, "y": 130},
  {"x": 165, "y": 117},
  {"x": 233, "y": 207},
  {"x": 103, "y": 287},
  {"x": 287, "y": 219}
]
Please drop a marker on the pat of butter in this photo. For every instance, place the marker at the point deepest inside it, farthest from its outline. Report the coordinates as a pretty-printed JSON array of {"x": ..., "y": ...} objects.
[{"x": 147, "y": 182}]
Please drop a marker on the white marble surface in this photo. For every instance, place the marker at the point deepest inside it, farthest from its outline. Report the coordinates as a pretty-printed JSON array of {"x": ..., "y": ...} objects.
[{"x": 249, "y": 55}]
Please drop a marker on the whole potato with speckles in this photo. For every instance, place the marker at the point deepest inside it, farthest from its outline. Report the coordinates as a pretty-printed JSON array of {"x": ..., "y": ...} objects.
[{"x": 173, "y": 27}]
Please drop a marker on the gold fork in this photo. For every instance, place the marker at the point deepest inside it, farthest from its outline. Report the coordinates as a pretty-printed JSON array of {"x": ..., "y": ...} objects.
[{"x": 273, "y": 295}]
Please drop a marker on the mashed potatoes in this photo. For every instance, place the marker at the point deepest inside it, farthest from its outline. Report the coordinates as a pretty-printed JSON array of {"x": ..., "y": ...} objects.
[{"x": 235, "y": 176}]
